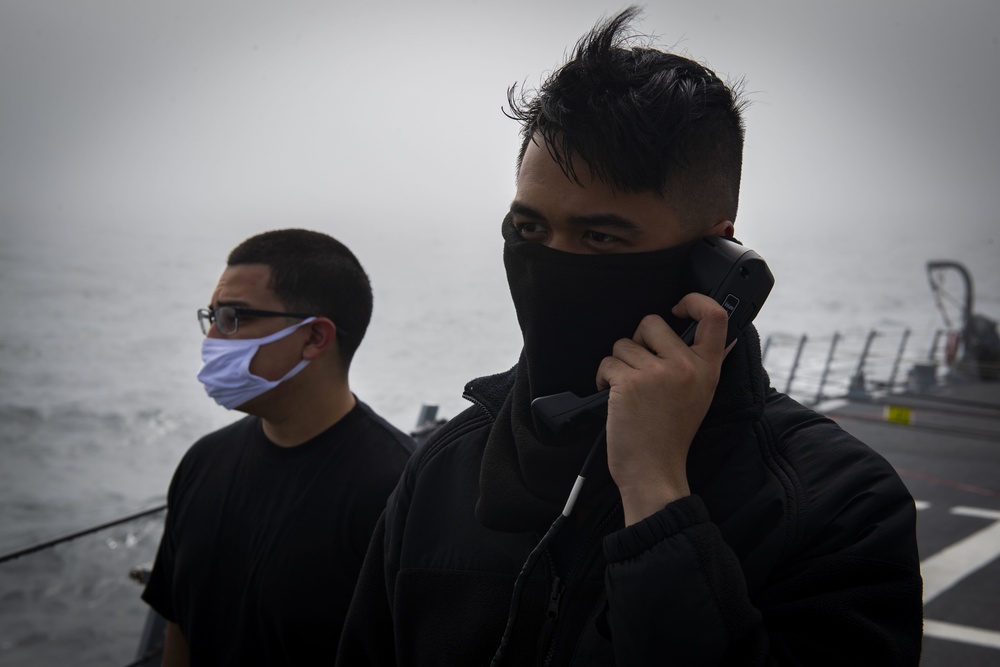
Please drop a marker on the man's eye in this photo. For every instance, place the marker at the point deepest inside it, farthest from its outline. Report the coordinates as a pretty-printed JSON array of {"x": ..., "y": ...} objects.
[
  {"x": 601, "y": 237},
  {"x": 529, "y": 230}
]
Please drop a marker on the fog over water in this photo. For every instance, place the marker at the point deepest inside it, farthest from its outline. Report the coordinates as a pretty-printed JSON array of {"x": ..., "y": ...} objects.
[{"x": 140, "y": 142}]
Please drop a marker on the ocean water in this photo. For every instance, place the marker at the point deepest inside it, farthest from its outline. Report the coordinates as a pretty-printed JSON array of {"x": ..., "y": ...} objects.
[{"x": 99, "y": 348}]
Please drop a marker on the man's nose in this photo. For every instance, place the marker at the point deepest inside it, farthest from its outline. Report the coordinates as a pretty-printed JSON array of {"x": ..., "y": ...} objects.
[{"x": 564, "y": 242}]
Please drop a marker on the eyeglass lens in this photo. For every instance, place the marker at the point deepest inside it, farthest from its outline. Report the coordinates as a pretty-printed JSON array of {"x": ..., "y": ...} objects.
[{"x": 225, "y": 320}]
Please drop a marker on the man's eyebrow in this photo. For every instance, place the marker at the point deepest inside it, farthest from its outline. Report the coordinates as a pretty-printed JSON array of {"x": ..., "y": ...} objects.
[
  {"x": 603, "y": 220},
  {"x": 520, "y": 209},
  {"x": 232, "y": 304}
]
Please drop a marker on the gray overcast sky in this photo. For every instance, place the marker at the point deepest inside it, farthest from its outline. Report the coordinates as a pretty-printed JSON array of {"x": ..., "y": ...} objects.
[
  {"x": 875, "y": 117},
  {"x": 140, "y": 141}
]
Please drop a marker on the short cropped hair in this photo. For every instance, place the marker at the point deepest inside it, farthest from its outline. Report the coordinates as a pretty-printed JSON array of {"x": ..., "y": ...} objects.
[
  {"x": 314, "y": 273},
  {"x": 642, "y": 120}
]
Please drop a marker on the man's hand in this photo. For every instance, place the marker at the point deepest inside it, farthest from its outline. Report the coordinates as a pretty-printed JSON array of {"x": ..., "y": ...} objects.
[{"x": 660, "y": 392}]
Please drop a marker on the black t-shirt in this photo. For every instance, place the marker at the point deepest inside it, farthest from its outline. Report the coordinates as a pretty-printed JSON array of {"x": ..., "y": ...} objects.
[{"x": 262, "y": 544}]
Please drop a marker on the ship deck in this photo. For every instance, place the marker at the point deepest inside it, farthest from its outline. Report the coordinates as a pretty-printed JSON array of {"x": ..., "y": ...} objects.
[{"x": 945, "y": 445}]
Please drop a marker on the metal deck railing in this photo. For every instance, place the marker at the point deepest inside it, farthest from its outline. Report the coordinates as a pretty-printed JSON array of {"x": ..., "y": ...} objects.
[{"x": 854, "y": 365}]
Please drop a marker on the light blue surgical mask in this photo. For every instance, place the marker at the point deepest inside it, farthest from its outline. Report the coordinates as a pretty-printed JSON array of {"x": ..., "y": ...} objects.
[{"x": 225, "y": 370}]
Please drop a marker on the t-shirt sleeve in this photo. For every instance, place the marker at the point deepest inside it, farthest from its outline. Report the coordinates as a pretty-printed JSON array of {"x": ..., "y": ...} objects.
[
  {"x": 390, "y": 451},
  {"x": 158, "y": 593}
]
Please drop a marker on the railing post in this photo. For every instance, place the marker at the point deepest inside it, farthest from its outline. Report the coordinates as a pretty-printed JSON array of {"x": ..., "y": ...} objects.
[
  {"x": 899, "y": 357},
  {"x": 923, "y": 376},
  {"x": 934, "y": 343},
  {"x": 795, "y": 364},
  {"x": 857, "y": 388},
  {"x": 826, "y": 367}
]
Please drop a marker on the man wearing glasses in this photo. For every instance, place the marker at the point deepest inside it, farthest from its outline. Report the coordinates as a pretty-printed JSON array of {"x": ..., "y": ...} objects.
[{"x": 270, "y": 517}]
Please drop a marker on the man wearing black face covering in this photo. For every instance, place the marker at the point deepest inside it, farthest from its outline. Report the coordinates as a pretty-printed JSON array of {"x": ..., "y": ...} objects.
[{"x": 726, "y": 524}]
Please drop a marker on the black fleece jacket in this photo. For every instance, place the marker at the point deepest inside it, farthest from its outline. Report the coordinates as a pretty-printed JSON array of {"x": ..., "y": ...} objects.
[{"x": 796, "y": 547}]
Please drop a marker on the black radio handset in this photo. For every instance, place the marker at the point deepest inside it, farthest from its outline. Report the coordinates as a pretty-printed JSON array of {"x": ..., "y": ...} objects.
[{"x": 735, "y": 276}]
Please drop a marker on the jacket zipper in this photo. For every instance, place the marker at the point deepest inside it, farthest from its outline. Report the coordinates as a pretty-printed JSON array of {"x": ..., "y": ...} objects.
[
  {"x": 475, "y": 401},
  {"x": 546, "y": 637},
  {"x": 551, "y": 618}
]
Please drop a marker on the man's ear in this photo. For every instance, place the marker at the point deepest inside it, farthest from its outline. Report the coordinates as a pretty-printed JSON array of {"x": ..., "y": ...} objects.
[
  {"x": 322, "y": 336},
  {"x": 723, "y": 228}
]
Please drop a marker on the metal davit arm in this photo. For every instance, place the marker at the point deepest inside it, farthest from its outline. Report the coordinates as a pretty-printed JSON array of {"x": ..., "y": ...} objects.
[{"x": 940, "y": 265}]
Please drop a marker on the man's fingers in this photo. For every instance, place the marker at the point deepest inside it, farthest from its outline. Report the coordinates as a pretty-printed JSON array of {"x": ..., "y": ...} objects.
[
  {"x": 655, "y": 335},
  {"x": 712, "y": 319},
  {"x": 611, "y": 371}
]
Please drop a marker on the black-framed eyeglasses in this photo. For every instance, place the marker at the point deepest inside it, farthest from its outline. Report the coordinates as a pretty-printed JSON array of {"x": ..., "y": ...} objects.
[{"x": 227, "y": 318}]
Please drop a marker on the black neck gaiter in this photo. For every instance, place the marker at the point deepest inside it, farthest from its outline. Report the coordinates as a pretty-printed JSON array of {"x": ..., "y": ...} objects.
[{"x": 573, "y": 307}]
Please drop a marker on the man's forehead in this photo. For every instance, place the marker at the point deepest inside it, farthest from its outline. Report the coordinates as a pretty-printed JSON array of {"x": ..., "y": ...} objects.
[
  {"x": 248, "y": 271},
  {"x": 249, "y": 283}
]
